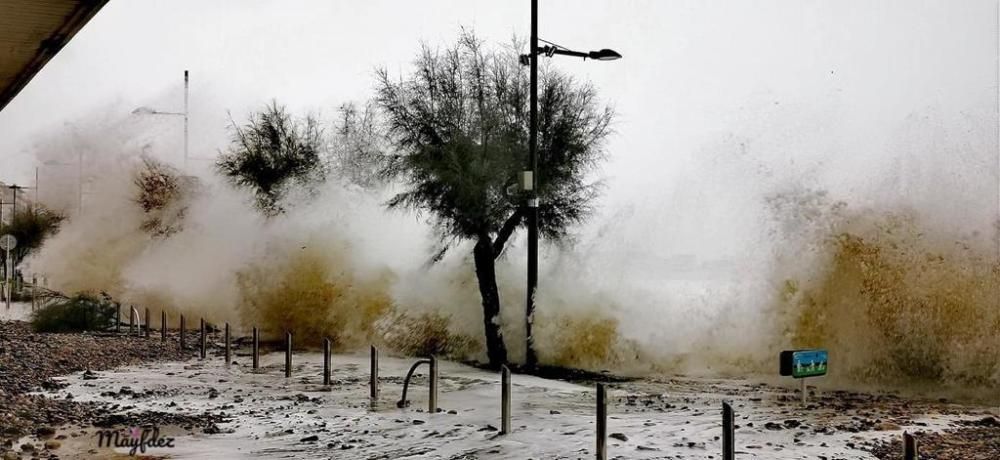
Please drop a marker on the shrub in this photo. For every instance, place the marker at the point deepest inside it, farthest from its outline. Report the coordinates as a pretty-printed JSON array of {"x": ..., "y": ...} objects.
[{"x": 74, "y": 314}]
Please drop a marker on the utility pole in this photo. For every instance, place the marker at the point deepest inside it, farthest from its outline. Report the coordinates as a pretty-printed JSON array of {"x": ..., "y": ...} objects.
[
  {"x": 185, "y": 122},
  {"x": 531, "y": 179}
]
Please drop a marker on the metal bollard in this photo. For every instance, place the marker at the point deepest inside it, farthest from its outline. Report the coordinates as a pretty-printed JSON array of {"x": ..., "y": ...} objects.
[
  {"x": 203, "y": 338},
  {"x": 910, "y": 451},
  {"x": 118, "y": 320},
  {"x": 163, "y": 325},
  {"x": 183, "y": 334},
  {"x": 326, "y": 361},
  {"x": 602, "y": 423},
  {"x": 373, "y": 379},
  {"x": 432, "y": 397},
  {"x": 147, "y": 322},
  {"x": 504, "y": 400},
  {"x": 228, "y": 349},
  {"x": 728, "y": 432},
  {"x": 256, "y": 348},
  {"x": 138, "y": 322},
  {"x": 288, "y": 354},
  {"x": 131, "y": 320}
]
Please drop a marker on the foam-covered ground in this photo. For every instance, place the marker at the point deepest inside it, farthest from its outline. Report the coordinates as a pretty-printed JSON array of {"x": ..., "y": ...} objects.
[{"x": 677, "y": 418}]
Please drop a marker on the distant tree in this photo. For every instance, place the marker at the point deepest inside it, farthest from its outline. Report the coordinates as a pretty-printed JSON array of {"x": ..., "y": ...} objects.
[
  {"x": 359, "y": 145},
  {"x": 162, "y": 192},
  {"x": 272, "y": 151},
  {"x": 458, "y": 126},
  {"x": 31, "y": 227}
]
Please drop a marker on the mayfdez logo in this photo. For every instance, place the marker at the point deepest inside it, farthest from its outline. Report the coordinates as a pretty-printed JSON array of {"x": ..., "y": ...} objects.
[{"x": 137, "y": 439}]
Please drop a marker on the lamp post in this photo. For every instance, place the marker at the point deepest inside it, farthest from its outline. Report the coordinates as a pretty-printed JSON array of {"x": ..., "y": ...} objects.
[
  {"x": 149, "y": 111},
  {"x": 530, "y": 177}
]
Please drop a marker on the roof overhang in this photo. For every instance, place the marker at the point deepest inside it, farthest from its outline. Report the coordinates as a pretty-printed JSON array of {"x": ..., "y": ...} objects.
[{"x": 32, "y": 32}]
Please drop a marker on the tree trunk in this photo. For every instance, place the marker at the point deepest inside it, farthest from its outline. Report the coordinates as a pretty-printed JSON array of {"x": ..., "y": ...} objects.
[{"x": 486, "y": 274}]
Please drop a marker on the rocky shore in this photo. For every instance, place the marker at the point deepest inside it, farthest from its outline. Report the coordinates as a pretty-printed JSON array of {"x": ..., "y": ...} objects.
[{"x": 29, "y": 361}]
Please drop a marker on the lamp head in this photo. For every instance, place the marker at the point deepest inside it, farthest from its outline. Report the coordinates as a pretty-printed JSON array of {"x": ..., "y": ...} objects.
[{"x": 605, "y": 55}]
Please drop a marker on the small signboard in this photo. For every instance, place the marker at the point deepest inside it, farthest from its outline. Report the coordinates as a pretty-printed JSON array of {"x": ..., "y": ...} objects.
[
  {"x": 804, "y": 363},
  {"x": 8, "y": 242}
]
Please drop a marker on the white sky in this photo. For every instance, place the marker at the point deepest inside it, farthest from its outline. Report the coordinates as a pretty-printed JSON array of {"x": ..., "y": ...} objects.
[{"x": 847, "y": 73}]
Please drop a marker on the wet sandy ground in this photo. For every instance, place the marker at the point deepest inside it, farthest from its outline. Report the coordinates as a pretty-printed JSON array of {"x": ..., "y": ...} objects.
[{"x": 677, "y": 418}]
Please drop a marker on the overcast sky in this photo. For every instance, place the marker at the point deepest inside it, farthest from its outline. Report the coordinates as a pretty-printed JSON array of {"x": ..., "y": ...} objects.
[{"x": 692, "y": 71}]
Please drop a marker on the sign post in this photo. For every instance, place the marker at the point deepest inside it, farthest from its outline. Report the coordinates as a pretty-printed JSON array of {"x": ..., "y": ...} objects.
[
  {"x": 8, "y": 242},
  {"x": 803, "y": 364}
]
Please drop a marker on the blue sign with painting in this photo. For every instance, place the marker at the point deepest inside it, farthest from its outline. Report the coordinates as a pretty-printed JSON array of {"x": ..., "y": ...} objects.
[{"x": 804, "y": 363}]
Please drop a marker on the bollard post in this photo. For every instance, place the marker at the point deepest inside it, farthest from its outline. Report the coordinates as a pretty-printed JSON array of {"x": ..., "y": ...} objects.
[
  {"x": 288, "y": 354},
  {"x": 728, "y": 432},
  {"x": 910, "y": 451},
  {"x": 147, "y": 322},
  {"x": 504, "y": 400},
  {"x": 118, "y": 320},
  {"x": 326, "y": 361},
  {"x": 183, "y": 333},
  {"x": 228, "y": 350},
  {"x": 163, "y": 325},
  {"x": 256, "y": 348},
  {"x": 131, "y": 320},
  {"x": 432, "y": 397},
  {"x": 602, "y": 423},
  {"x": 373, "y": 379},
  {"x": 203, "y": 338}
]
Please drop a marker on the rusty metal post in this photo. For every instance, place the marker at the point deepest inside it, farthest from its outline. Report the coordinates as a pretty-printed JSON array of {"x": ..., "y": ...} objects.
[
  {"x": 728, "y": 432},
  {"x": 432, "y": 397},
  {"x": 326, "y": 361},
  {"x": 228, "y": 348},
  {"x": 163, "y": 325},
  {"x": 504, "y": 400},
  {"x": 910, "y": 451},
  {"x": 373, "y": 379},
  {"x": 118, "y": 320},
  {"x": 147, "y": 322},
  {"x": 255, "y": 346},
  {"x": 204, "y": 339},
  {"x": 288, "y": 354},
  {"x": 183, "y": 334},
  {"x": 602, "y": 423}
]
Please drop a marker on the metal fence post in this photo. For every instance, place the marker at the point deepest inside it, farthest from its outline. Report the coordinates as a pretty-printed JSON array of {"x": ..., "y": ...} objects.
[
  {"x": 163, "y": 325},
  {"x": 602, "y": 423},
  {"x": 183, "y": 333},
  {"x": 255, "y": 346},
  {"x": 118, "y": 320},
  {"x": 728, "y": 432},
  {"x": 373, "y": 380},
  {"x": 910, "y": 451},
  {"x": 203, "y": 340},
  {"x": 147, "y": 322},
  {"x": 288, "y": 354},
  {"x": 228, "y": 349},
  {"x": 432, "y": 398},
  {"x": 326, "y": 361},
  {"x": 504, "y": 400}
]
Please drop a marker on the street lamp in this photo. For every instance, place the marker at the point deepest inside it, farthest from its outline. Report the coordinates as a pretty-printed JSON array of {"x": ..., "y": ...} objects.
[
  {"x": 530, "y": 179},
  {"x": 149, "y": 111}
]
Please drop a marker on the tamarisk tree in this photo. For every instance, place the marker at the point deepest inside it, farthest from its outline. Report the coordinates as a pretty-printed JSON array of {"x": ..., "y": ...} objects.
[{"x": 458, "y": 130}]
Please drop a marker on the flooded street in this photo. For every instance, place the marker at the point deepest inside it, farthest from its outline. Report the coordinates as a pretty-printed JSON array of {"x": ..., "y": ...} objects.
[{"x": 679, "y": 418}]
